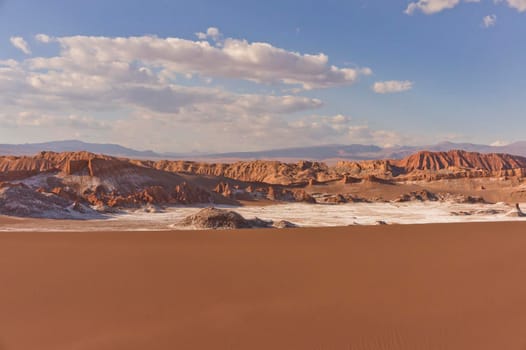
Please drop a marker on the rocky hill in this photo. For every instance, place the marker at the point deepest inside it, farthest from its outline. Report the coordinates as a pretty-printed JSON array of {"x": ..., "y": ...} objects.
[
  {"x": 435, "y": 165},
  {"x": 78, "y": 181},
  {"x": 436, "y": 161}
]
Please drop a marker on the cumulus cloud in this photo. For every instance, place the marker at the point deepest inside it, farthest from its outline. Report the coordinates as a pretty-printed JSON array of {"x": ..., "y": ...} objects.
[
  {"x": 489, "y": 21},
  {"x": 235, "y": 59},
  {"x": 430, "y": 7},
  {"x": 211, "y": 33},
  {"x": 43, "y": 38},
  {"x": 392, "y": 86},
  {"x": 519, "y": 5},
  {"x": 20, "y": 44},
  {"x": 140, "y": 84},
  {"x": 97, "y": 73}
]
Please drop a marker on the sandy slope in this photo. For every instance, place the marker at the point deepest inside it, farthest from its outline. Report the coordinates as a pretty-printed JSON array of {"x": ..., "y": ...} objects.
[{"x": 456, "y": 286}]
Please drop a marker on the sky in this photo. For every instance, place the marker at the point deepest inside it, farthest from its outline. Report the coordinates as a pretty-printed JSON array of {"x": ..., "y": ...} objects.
[{"x": 242, "y": 75}]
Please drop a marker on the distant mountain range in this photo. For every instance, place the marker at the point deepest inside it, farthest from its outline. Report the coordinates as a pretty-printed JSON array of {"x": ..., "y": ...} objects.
[
  {"x": 324, "y": 152},
  {"x": 73, "y": 146},
  {"x": 366, "y": 152}
]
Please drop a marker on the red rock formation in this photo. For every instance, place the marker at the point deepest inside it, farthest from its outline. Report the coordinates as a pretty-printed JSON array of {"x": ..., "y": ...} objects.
[
  {"x": 223, "y": 188},
  {"x": 271, "y": 194},
  {"x": 154, "y": 195},
  {"x": 15, "y": 168},
  {"x": 301, "y": 195},
  {"x": 346, "y": 179},
  {"x": 435, "y": 161},
  {"x": 186, "y": 194},
  {"x": 438, "y": 165},
  {"x": 368, "y": 167},
  {"x": 271, "y": 172},
  {"x": 111, "y": 181},
  {"x": 76, "y": 166},
  {"x": 66, "y": 194}
]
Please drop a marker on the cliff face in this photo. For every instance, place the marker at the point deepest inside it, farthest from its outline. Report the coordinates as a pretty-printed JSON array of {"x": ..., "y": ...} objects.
[
  {"x": 14, "y": 168},
  {"x": 68, "y": 162},
  {"x": 435, "y": 165},
  {"x": 436, "y": 161}
]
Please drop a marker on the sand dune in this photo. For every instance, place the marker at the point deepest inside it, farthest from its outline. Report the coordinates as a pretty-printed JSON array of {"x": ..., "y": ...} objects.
[{"x": 455, "y": 286}]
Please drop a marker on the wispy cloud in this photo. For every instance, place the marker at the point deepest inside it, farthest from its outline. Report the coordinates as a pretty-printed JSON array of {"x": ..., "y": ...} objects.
[
  {"x": 20, "y": 44},
  {"x": 211, "y": 33},
  {"x": 489, "y": 21},
  {"x": 430, "y": 7},
  {"x": 392, "y": 86}
]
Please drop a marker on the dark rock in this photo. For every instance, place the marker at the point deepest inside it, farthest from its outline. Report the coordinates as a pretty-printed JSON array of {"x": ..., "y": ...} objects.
[
  {"x": 213, "y": 218},
  {"x": 285, "y": 224}
]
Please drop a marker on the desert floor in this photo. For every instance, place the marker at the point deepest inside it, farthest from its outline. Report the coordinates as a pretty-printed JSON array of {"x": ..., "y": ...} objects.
[{"x": 448, "y": 286}]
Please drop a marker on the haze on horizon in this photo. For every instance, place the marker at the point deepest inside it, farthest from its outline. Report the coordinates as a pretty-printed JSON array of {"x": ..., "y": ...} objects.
[{"x": 246, "y": 75}]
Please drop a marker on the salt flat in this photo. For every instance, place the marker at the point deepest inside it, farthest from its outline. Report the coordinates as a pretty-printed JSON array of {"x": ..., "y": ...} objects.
[{"x": 304, "y": 215}]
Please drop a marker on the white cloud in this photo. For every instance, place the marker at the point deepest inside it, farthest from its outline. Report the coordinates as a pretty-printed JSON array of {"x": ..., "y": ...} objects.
[
  {"x": 430, "y": 7},
  {"x": 392, "y": 86},
  {"x": 20, "y": 44},
  {"x": 212, "y": 33},
  {"x": 489, "y": 21},
  {"x": 61, "y": 93},
  {"x": 519, "y": 5},
  {"x": 234, "y": 58},
  {"x": 201, "y": 36},
  {"x": 499, "y": 143},
  {"x": 122, "y": 86},
  {"x": 43, "y": 38},
  {"x": 139, "y": 84}
]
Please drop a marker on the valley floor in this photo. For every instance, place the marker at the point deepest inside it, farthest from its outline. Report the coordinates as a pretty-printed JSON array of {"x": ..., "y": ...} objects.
[
  {"x": 303, "y": 215},
  {"x": 441, "y": 286}
]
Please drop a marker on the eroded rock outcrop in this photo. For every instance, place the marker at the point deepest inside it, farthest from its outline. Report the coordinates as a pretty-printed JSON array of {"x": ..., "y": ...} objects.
[
  {"x": 213, "y": 218},
  {"x": 455, "y": 160},
  {"x": 421, "y": 196},
  {"x": 22, "y": 201},
  {"x": 111, "y": 182},
  {"x": 269, "y": 172},
  {"x": 437, "y": 165}
]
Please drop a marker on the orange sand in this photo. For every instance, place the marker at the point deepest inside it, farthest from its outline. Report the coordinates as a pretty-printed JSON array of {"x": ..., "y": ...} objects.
[{"x": 455, "y": 286}]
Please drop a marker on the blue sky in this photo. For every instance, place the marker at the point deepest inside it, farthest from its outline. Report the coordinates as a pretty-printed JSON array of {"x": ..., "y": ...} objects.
[{"x": 452, "y": 74}]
